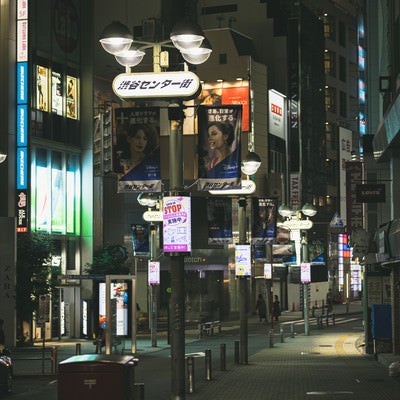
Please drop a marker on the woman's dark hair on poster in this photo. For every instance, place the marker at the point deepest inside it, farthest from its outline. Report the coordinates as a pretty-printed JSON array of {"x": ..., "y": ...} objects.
[{"x": 227, "y": 130}]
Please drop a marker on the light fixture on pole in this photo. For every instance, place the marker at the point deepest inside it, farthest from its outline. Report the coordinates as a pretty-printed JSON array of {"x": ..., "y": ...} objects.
[
  {"x": 249, "y": 167},
  {"x": 251, "y": 163},
  {"x": 116, "y": 37},
  {"x": 148, "y": 199},
  {"x": 197, "y": 55},
  {"x": 295, "y": 224},
  {"x": 3, "y": 157},
  {"x": 130, "y": 57},
  {"x": 185, "y": 36}
]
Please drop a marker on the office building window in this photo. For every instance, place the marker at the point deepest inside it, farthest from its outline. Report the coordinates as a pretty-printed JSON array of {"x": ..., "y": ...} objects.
[
  {"x": 342, "y": 34},
  {"x": 330, "y": 136},
  {"x": 343, "y": 104},
  {"x": 330, "y": 63},
  {"x": 330, "y": 99},
  {"x": 342, "y": 69},
  {"x": 329, "y": 27}
]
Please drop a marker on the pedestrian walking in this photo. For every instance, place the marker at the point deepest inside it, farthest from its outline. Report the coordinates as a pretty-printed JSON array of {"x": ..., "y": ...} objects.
[
  {"x": 276, "y": 308},
  {"x": 261, "y": 307},
  {"x": 2, "y": 336},
  {"x": 329, "y": 300}
]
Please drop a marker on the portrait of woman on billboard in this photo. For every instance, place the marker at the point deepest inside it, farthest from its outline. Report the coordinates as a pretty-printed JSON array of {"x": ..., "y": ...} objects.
[
  {"x": 219, "y": 147},
  {"x": 137, "y": 153}
]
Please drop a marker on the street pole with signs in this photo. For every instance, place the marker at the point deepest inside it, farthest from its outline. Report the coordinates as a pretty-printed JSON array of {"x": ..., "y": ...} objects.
[
  {"x": 189, "y": 39},
  {"x": 296, "y": 225}
]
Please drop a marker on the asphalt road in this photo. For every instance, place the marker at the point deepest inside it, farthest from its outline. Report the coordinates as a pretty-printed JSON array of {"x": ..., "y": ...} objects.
[{"x": 328, "y": 364}]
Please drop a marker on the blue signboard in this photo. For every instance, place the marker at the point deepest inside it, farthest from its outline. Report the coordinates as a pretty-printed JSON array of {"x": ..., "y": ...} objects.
[
  {"x": 22, "y": 168},
  {"x": 22, "y": 125},
  {"x": 22, "y": 83}
]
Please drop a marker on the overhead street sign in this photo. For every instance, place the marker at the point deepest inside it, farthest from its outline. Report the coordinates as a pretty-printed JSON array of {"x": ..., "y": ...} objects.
[
  {"x": 296, "y": 224},
  {"x": 153, "y": 216},
  {"x": 155, "y": 85},
  {"x": 248, "y": 187}
]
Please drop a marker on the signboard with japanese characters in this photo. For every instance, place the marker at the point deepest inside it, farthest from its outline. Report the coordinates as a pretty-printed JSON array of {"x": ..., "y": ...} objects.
[
  {"x": 182, "y": 84},
  {"x": 177, "y": 224}
]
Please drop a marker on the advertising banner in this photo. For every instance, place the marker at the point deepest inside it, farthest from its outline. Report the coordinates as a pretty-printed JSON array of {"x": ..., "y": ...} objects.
[
  {"x": 177, "y": 224},
  {"x": 264, "y": 220},
  {"x": 305, "y": 273},
  {"x": 230, "y": 93},
  {"x": 154, "y": 273},
  {"x": 219, "y": 216},
  {"x": 277, "y": 114},
  {"x": 219, "y": 147},
  {"x": 137, "y": 152},
  {"x": 140, "y": 239},
  {"x": 243, "y": 260}
]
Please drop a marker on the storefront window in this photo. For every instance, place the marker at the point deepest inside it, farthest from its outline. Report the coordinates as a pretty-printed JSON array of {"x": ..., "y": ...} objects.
[{"x": 55, "y": 192}]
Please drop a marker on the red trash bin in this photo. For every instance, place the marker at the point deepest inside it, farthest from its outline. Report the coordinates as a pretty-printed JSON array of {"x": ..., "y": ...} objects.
[{"x": 97, "y": 377}]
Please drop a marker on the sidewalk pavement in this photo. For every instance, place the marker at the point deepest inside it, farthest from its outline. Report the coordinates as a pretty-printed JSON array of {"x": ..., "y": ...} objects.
[{"x": 29, "y": 361}]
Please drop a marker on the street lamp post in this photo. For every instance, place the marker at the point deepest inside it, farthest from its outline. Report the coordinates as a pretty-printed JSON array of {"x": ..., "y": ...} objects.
[
  {"x": 249, "y": 167},
  {"x": 243, "y": 288},
  {"x": 189, "y": 39},
  {"x": 296, "y": 225},
  {"x": 151, "y": 200}
]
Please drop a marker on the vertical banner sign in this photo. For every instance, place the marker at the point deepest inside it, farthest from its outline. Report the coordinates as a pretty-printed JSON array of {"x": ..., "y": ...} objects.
[
  {"x": 177, "y": 224},
  {"x": 22, "y": 84},
  {"x": 140, "y": 240},
  {"x": 154, "y": 273},
  {"x": 231, "y": 93},
  {"x": 295, "y": 191},
  {"x": 243, "y": 260},
  {"x": 305, "y": 273},
  {"x": 354, "y": 176},
  {"x": 277, "y": 114},
  {"x": 137, "y": 151},
  {"x": 264, "y": 220},
  {"x": 267, "y": 271},
  {"x": 219, "y": 147},
  {"x": 219, "y": 216}
]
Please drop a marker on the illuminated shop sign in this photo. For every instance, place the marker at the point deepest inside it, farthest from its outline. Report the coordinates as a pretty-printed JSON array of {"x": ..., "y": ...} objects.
[
  {"x": 22, "y": 211},
  {"x": 42, "y": 88},
  {"x": 22, "y": 125},
  {"x": 22, "y": 40},
  {"x": 22, "y": 83},
  {"x": 157, "y": 85},
  {"x": 22, "y": 168},
  {"x": 72, "y": 97}
]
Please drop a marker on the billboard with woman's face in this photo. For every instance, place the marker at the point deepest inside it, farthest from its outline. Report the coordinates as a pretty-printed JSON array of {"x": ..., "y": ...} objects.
[
  {"x": 137, "y": 152},
  {"x": 219, "y": 147}
]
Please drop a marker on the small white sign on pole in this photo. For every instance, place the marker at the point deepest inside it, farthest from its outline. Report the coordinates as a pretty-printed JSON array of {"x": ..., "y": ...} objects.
[
  {"x": 154, "y": 273},
  {"x": 267, "y": 271},
  {"x": 243, "y": 260},
  {"x": 305, "y": 273}
]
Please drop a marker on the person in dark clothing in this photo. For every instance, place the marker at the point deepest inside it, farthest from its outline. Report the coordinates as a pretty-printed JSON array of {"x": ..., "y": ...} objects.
[
  {"x": 276, "y": 308},
  {"x": 2, "y": 335},
  {"x": 261, "y": 307}
]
